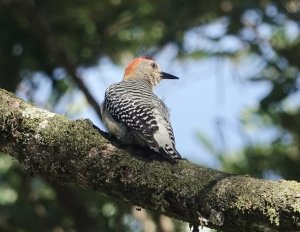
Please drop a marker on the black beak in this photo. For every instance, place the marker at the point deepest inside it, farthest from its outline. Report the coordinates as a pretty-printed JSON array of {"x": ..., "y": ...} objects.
[{"x": 168, "y": 76}]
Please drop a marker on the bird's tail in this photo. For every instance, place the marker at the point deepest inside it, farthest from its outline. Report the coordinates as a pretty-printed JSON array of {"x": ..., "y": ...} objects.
[{"x": 171, "y": 154}]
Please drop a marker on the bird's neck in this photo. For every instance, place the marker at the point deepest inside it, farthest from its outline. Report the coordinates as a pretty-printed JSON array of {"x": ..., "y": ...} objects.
[
  {"x": 148, "y": 83},
  {"x": 145, "y": 82}
]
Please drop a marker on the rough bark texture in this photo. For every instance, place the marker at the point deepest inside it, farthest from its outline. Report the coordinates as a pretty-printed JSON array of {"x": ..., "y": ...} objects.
[{"x": 69, "y": 151}]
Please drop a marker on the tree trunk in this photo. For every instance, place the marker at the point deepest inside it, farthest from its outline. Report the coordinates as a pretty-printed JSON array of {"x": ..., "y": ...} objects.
[{"x": 67, "y": 151}]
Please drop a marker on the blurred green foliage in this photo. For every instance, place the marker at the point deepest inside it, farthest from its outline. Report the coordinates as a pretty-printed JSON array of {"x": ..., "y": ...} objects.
[{"x": 46, "y": 36}]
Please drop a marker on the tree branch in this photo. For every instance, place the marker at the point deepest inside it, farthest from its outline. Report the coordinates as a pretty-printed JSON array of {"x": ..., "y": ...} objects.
[{"x": 68, "y": 151}]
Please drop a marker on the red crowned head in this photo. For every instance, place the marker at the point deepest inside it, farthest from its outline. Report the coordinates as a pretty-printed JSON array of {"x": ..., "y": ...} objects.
[{"x": 145, "y": 68}]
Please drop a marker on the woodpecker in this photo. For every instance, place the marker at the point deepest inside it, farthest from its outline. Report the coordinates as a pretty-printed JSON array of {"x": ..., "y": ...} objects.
[{"x": 134, "y": 114}]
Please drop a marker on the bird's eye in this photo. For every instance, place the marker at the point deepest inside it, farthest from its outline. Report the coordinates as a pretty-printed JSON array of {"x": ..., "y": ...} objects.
[{"x": 154, "y": 65}]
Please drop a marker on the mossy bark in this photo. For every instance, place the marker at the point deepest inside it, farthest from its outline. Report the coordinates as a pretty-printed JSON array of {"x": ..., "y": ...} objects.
[{"x": 67, "y": 151}]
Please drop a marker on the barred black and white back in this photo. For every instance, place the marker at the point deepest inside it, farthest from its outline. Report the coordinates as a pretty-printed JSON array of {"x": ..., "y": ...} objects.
[{"x": 135, "y": 115}]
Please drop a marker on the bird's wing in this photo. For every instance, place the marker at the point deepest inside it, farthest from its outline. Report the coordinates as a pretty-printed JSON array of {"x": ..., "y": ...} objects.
[
  {"x": 135, "y": 115},
  {"x": 164, "y": 136},
  {"x": 145, "y": 120}
]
